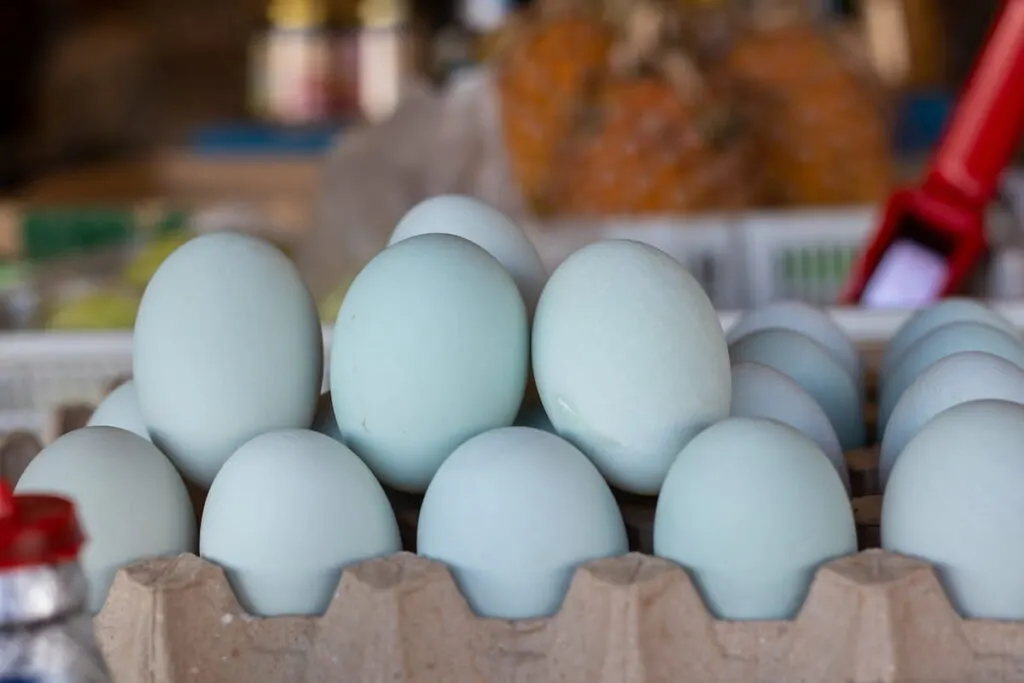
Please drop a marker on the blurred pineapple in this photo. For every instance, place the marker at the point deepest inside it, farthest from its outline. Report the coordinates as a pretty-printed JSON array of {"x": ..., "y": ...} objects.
[
  {"x": 822, "y": 130},
  {"x": 606, "y": 111}
]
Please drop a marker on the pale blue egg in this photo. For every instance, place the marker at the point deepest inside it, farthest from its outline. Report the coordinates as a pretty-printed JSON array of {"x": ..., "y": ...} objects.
[
  {"x": 486, "y": 227},
  {"x": 807, "y": 320},
  {"x": 287, "y": 512},
  {"x": 513, "y": 512},
  {"x": 630, "y": 359},
  {"x": 430, "y": 348},
  {"x": 811, "y": 365},
  {"x": 120, "y": 409},
  {"x": 227, "y": 346},
  {"x": 761, "y": 391},
  {"x": 926, "y": 320},
  {"x": 939, "y": 343},
  {"x": 954, "y": 499},
  {"x": 751, "y": 549},
  {"x": 955, "y": 379},
  {"x": 131, "y": 502}
]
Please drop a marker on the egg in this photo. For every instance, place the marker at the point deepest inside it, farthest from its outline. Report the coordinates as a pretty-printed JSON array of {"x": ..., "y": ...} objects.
[
  {"x": 926, "y": 320},
  {"x": 812, "y": 367},
  {"x": 955, "y": 379},
  {"x": 751, "y": 508},
  {"x": 120, "y": 409},
  {"x": 324, "y": 420},
  {"x": 761, "y": 391},
  {"x": 954, "y": 499},
  {"x": 130, "y": 501},
  {"x": 430, "y": 348},
  {"x": 287, "y": 512},
  {"x": 227, "y": 345},
  {"x": 630, "y": 359},
  {"x": 513, "y": 512},
  {"x": 936, "y": 345},
  {"x": 486, "y": 227},
  {"x": 808, "y": 321}
]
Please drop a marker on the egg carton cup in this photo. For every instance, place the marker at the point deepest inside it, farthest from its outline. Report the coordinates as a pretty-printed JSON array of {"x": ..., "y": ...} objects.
[{"x": 871, "y": 617}]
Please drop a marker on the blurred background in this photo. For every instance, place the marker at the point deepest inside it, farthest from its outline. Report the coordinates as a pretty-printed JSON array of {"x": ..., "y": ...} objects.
[
  {"x": 88, "y": 80},
  {"x": 120, "y": 119}
]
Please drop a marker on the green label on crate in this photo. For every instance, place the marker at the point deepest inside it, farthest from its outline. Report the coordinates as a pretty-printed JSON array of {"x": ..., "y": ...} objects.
[
  {"x": 52, "y": 232},
  {"x": 814, "y": 274}
]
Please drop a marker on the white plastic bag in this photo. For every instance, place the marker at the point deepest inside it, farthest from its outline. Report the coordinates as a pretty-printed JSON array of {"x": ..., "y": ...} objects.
[{"x": 436, "y": 143}]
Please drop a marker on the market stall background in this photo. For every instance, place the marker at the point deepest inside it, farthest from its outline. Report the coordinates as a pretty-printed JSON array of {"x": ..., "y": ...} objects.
[{"x": 132, "y": 125}]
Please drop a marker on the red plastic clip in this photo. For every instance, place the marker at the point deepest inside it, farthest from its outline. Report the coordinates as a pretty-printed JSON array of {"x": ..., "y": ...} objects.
[
  {"x": 932, "y": 236},
  {"x": 37, "y": 530}
]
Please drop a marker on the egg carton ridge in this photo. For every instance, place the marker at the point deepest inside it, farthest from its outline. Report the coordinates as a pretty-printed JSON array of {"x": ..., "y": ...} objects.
[{"x": 871, "y": 617}]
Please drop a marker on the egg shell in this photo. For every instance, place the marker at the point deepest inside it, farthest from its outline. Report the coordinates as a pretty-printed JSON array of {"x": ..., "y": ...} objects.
[
  {"x": 761, "y": 391},
  {"x": 955, "y": 379},
  {"x": 936, "y": 345},
  {"x": 324, "y": 420},
  {"x": 751, "y": 508},
  {"x": 807, "y": 320},
  {"x": 512, "y": 513},
  {"x": 430, "y": 348},
  {"x": 287, "y": 512},
  {"x": 130, "y": 501},
  {"x": 954, "y": 499},
  {"x": 811, "y": 366},
  {"x": 630, "y": 359},
  {"x": 486, "y": 227},
  {"x": 926, "y": 320},
  {"x": 227, "y": 346},
  {"x": 120, "y": 409}
]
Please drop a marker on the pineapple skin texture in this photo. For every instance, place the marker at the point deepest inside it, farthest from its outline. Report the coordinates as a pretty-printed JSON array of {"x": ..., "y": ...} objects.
[
  {"x": 822, "y": 134},
  {"x": 585, "y": 142},
  {"x": 543, "y": 79}
]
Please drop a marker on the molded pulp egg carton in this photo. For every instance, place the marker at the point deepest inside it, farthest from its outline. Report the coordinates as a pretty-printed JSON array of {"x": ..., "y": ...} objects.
[
  {"x": 742, "y": 261},
  {"x": 868, "y": 618}
]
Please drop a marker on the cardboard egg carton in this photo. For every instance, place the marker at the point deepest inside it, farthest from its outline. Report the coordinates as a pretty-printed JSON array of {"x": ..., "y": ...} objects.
[
  {"x": 868, "y": 618},
  {"x": 634, "y": 619}
]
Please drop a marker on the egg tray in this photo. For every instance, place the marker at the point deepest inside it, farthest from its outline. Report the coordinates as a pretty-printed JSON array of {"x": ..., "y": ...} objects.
[{"x": 871, "y": 617}]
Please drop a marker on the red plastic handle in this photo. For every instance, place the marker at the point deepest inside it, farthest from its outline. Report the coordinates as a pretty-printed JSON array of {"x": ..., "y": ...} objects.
[{"x": 988, "y": 121}]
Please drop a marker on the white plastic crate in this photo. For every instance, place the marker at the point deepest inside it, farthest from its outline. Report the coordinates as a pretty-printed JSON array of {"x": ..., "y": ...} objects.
[
  {"x": 709, "y": 246},
  {"x": 805, "y": 255},
  {"x": 746, "y": 260},
  {"x": 742, "y": 262},
  {"x": 39, "y": 371}
]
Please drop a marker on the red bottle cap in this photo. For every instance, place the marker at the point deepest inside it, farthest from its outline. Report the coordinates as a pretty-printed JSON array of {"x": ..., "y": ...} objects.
[{"x": 37, "y": 530}]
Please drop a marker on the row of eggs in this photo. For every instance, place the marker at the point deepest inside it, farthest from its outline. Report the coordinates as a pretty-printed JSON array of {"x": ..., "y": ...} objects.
[{"x": 429, "y": 366}]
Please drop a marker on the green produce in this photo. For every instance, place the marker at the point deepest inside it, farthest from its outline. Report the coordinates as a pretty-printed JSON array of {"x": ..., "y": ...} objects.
[
  {"x": 103, "y": 310},
  {"x": 141, "y": 268}
]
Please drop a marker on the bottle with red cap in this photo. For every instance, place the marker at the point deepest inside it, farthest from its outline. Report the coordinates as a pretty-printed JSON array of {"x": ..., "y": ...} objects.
[{"x": 45, "y": 630}]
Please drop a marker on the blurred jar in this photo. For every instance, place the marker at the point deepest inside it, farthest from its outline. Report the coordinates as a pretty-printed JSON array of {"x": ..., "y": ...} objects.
[
  {"x": 293, "y": 71},
  {"x": 386, "y": 52},
  {"x": 319, "y": 62}
]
